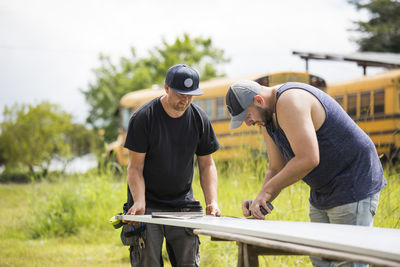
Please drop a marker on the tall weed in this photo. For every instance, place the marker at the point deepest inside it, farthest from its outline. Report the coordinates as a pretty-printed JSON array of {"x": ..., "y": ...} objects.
[
  {"x": 388, "y": 213},
  {"x": 81, "y": 202}
]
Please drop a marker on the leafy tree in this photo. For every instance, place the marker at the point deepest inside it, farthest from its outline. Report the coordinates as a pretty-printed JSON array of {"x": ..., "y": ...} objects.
[
  {"x": 381, "y": 33},
  {"x": 112, "y": 82},
  {"x": 32, "y": 136},
  {"x": 2, "y": 160},
  {"x": 80, "y": 141}
]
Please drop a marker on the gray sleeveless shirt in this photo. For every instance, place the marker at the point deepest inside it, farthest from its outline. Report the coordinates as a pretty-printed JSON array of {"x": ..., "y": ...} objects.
[{"x": 349, "y": 168}]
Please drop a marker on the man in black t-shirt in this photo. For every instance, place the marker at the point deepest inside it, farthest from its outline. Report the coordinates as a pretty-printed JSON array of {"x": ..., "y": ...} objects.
[{"x": 163, "y": 137}]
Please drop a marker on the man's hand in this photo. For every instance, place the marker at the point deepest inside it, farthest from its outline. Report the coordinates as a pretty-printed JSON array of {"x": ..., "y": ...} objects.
[
  {"x": 261, "y": 200},
  {"x": 212, "y": 209},
  {"x": 137, "y": 209},
  {"x": 246, "y": 207}
]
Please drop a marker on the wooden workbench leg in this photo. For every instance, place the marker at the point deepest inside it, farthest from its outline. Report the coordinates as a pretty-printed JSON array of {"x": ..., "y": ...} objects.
[
  {"x": 240, "y": 262},
  {"x": 250, "y": 256},
  {"x": 247, "y": 256}
]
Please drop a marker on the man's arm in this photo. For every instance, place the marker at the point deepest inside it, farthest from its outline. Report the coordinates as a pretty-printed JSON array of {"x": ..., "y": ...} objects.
[
  {"x": 136, "y": 182},
  {"x": 276, "y": 162},
  {"x": 294, "y": 117},
  {"x": 209, "y": 183}
]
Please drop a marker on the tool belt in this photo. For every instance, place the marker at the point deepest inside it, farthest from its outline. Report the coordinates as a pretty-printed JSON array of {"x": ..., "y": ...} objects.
[{"x": 131, "y": 235}]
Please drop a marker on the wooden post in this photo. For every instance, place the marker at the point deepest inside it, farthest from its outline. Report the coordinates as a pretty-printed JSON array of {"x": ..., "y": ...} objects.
[
  {"x": 240, "y": 262},
  {"x": 247, "y": 255}
]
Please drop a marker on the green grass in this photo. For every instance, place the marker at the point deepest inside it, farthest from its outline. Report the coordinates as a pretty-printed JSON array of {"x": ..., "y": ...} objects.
[{"x": 65, "y": 222}]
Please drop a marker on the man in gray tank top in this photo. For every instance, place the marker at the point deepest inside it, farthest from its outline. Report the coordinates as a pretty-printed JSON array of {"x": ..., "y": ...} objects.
[{"x": 310, "y": 137}]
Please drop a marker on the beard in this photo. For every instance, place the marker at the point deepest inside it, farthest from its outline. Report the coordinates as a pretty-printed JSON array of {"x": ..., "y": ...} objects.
[
  {"x": 180, "y": 106},
  {"x": 266, "y": 115}
]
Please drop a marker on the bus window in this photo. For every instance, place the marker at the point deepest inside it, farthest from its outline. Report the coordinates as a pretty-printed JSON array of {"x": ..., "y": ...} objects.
[
  {"x": 398, "y": 104},
  {"x": 352, "y": 105},
  {"x": 365, "y": 104},
  {"x": 379, "y": 102},
  {"x": 199, "y": 103},
  {"x": 209, "y": 108},
  {"x": 317, "y": 82},
  {"x": 339, "y": 99},
  {"x": 264, "y": 81},
  {"x": 220, "y": 107},
  {"x": 126, "y": 116}
]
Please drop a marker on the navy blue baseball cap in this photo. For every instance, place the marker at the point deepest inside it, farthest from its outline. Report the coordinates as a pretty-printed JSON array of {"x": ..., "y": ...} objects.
[{"x": 183, "y": 80}]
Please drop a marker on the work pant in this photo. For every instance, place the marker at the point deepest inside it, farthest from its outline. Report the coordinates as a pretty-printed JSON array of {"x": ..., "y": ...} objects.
[
  {"x": 181, "y": 243},
  {"x": 356, "y": 213}
]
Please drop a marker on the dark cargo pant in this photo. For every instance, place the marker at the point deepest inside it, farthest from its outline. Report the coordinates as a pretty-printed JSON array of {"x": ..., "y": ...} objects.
[{"x": 182, "y": 247}]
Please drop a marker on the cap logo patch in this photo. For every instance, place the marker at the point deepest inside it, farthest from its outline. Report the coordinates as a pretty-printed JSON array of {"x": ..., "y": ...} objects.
[{"x": 188, "y": 82}]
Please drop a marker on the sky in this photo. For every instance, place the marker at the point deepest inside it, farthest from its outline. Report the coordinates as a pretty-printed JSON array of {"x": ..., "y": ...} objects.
[{"x": 49, "y": 48}]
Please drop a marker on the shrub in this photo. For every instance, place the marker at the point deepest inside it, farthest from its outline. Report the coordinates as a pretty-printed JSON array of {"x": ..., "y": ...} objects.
[{"x": 15, "y": 177}]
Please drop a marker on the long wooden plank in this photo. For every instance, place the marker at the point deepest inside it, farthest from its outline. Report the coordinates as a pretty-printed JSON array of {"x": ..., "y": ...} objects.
[
  {"x": 372, "y": 241},
  {"x": 274, "y": 247}
]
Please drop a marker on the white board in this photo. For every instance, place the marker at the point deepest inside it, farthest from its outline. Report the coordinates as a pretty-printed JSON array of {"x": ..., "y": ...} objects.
[{"x": 372, "y": 241}]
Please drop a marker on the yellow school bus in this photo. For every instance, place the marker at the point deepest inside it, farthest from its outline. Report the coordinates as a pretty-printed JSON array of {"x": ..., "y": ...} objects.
[
  {"x": 234, "y": 143},
  {"x": 374, "y": 104}
]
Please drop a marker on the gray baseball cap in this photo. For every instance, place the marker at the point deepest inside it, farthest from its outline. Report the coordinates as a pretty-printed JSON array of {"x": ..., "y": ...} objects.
[{"x": 238, "y": 98}]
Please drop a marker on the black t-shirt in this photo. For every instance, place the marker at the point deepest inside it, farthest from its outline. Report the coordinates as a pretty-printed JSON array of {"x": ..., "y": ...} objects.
[{"x": 170, "y": 145}]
